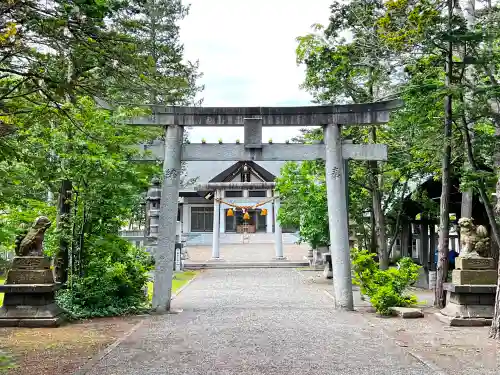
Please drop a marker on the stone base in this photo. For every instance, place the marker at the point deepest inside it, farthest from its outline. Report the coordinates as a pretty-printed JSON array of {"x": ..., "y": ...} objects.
[
  {"x": 29, "y": 299},
  {"x": 474, "y": 263},
  {"x": 474, "y": 277},
  {"x": 468, "y": 311},
  {"x": 328, "y": 272},
  {"x": 407, "y": 312},
  {"x": 31, "y": 316},
  {"x": 463, "y": 322},
  {"x": 32, "y": 323},
  {"x": 279, "y": 258},
  {"x": 468, "y": 305},
  {"x": 318, "y": 258}
]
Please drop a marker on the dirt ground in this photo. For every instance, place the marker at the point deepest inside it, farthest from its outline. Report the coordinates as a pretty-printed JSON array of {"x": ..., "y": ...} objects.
[
  {"x": 60, "y": 351},
  {"x": 457, "y": 350}
]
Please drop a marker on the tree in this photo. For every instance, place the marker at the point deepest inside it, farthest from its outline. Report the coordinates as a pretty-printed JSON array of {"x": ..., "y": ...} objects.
[
  {"x": 302, "y": 190},
  {"x": 354, "y": 72},
  {"x": 60, "y": 141},
  {"x": 97, "y": 49},
  {"x": 164, "y": 78},
  {"x": 364, "y": 69}
]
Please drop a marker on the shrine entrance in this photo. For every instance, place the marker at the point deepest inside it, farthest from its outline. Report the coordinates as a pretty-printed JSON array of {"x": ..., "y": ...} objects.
[
  {"x": 234, "y": 223},
  {"x": 332, "y": 117}
]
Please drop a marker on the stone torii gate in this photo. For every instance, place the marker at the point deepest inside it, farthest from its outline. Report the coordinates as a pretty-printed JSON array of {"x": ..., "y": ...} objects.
[{"x": 331, "y": 117}]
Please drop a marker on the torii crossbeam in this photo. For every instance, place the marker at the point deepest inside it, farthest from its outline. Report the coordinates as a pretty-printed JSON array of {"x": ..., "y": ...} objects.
[{"x": 334, "y": 152}]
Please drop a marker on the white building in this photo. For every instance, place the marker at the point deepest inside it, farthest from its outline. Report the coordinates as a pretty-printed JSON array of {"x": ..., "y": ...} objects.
[{"x": 196, "y": 209}]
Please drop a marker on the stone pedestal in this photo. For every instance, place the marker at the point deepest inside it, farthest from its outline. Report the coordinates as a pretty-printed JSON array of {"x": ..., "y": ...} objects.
[
  {"x": 29, "y": 294},
  {"x": 470, "y": 299},
  {"x": 474, "y": 271},
  {"x": 328, "y": 272},
  {"x": 318, "y": 258}
]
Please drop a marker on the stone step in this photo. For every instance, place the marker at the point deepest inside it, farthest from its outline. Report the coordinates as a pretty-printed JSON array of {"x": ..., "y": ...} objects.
[{"x": 221, "y": 264}]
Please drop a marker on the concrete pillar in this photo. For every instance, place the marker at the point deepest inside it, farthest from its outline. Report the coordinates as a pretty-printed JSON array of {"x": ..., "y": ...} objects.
[
  {"x": 222, "y": 219},
  {"x": 164, "y": 255},
  {"x": 269, "y": 218},
  {"x": 185, "y": 218},
  {"x": 278, "y": 235},
  {"x": 153, "y": 218},
  {"x": 270, "y": 213},
  {"x": 216, "y": 229},
  {"x": 337, "y": 215}
]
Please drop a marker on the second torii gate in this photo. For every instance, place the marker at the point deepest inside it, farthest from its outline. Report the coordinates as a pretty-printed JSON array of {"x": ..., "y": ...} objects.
[{"x": 331, "y": 117}]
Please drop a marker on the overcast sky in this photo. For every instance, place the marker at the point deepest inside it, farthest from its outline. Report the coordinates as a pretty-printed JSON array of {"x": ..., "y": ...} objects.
[{"x": 246, "y": 50}]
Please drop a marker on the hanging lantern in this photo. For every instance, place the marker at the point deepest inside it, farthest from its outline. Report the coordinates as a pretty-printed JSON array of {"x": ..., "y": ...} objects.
[
  {"x": 263, "y": 212},
  {"x": 246, "y": 216},
  {"x": 230, "y": 212}
]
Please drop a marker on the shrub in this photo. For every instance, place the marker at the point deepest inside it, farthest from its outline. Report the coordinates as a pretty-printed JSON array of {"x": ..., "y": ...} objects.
[
  {"x": 116, "y": 275},
  {"x": 384, "y": 288}
]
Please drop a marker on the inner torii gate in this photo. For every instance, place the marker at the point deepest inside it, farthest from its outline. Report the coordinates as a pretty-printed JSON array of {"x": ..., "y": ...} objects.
[{"x": 331, "y": 117}]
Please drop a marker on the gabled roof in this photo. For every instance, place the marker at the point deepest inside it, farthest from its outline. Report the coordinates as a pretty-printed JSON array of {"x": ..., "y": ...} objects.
[
  {"x": 229, "y": 173},
  {"x": 233, "y": 170}
]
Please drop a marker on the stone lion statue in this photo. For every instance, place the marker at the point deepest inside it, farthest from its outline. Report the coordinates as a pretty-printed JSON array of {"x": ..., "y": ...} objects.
[
  {"x": 30, "y": 242},
  {"x": 474, "y": 240}
]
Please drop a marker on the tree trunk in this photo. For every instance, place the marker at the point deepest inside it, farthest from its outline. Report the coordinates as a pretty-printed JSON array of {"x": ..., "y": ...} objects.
[
  {"x": 495, "y": 327},
  {"x": 444, "y": 216},
  {"x": 63, "y": 225},
  {"x": 468, "y": 8},
  {"x": 378, "y": 213},
  {"x": 373, "y": 234},
  {"x": 397, "y": 225}
]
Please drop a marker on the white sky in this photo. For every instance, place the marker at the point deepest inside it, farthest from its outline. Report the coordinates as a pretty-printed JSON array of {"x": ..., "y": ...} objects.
[{"x": 246, "y": 50}]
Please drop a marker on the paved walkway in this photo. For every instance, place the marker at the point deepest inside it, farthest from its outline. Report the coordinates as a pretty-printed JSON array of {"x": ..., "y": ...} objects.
[
  {"x": 257, "y": 321},
  {"x": 247, "y": 252}
]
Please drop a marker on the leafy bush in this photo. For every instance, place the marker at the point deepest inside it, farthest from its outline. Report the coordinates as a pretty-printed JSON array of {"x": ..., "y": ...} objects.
[
  {"x": 384, "y": 288},
  {"x": 116, "y": 275}
]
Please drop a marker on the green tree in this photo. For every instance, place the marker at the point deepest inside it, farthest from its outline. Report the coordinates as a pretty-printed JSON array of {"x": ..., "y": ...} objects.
[
  {"x": 359, "y": 70},
  {"x": 458, "y": 38},
  {"x": 302, "y": 191}
]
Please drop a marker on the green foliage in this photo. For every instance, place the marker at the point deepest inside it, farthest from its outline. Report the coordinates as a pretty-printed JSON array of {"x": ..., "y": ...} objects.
[
  {"x": 302, "y": 191},
  {"x": 384, "y": 288},
  {"x": 113, "y": 282},
  {"x": 6, "y": 362},
  {"x": 4, "y": 266},
  {"x": 60, "y": 59}
]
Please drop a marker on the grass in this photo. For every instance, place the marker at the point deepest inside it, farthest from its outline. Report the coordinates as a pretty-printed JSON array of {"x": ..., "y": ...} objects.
[{"x": 180, "y": 279}]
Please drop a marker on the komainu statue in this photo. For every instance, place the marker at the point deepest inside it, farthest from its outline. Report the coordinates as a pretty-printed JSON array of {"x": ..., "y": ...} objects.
[
  {"x": 474, "y": 240},
  {"x": 30, "y": 242}
]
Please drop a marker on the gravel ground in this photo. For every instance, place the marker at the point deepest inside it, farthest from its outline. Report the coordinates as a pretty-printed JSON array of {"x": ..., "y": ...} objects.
[
  {"x": 257, "y": 321},
  {"x": 458, "y": 350}
]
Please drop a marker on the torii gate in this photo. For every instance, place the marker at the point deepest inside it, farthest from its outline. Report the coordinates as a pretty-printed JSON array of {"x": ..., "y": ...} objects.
[{"x": 331, "y": 117}]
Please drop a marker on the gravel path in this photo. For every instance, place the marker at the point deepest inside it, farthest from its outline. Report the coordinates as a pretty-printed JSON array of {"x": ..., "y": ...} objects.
[{"x": 257, "y": 321}]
